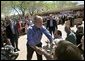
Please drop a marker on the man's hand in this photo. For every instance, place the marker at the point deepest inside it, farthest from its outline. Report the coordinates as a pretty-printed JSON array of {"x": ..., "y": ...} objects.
[
  {"x": 51, "y": 45},
  {"x": 39, "y": 50}
]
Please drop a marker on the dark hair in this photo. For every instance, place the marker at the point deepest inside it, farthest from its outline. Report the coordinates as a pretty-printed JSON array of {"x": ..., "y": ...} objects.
[
  {"x": 80, "y": 27},
  {"x": 67, "y": 51},
  {"x": 59, "y": 32}
]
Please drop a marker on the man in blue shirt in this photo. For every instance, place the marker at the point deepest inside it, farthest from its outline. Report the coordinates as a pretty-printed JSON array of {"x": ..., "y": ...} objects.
[{"x": 34, "y": 35}]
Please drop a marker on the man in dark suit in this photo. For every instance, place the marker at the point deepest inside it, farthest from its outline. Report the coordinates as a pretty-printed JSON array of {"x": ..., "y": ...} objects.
[
  {"x": 12, "y": 34},
  {"x": 51, "y": 24}
]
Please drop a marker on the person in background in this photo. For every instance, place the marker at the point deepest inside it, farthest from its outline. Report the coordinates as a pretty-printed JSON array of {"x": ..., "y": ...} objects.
[
  {"x": 51, "y": 24},
  {"x": 12, "y": 33},
  {"x": 57, "y": 36},
  {"x": 19, "y": 26},
  {"x": 70, "y": 35},
  {"x": 28, "y": 22},
  {"x": 79, "y": 34},
  {"x": 82, "y": 47}
]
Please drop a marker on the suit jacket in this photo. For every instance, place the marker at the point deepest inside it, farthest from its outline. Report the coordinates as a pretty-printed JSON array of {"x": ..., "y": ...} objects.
[
  {"x": 9, "y": 32},
  {"x": 54, "y": 24}
]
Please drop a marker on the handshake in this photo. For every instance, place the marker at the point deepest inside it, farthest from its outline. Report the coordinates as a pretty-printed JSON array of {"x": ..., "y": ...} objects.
[
  {"x": 39, "y": 50},
  {"x": 42, "y": 51},
  {"x": 46, "y": 50}
]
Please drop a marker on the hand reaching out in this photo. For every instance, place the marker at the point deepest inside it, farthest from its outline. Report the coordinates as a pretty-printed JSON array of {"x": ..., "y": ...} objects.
[{"x": 40, "y": 50}]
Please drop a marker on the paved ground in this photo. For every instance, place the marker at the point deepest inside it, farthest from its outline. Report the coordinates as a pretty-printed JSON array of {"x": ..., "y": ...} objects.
[{"x": 23, "y": 39}]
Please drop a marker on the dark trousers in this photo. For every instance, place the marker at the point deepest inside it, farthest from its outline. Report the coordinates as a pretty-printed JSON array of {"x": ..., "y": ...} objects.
[
  {"x": 31, "y": 50},
  {"x": 14, "y": 41},
  {"x": 51, "y": 29}
]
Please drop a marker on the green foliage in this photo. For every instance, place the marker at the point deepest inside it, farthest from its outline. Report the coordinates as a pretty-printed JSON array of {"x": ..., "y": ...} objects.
[{"x": 33, "y": 7}]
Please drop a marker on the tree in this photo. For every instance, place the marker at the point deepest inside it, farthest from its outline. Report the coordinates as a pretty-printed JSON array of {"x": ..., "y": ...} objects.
[
  {"x": 5, "y": 8},
  {"x": 33, "y": 7}
]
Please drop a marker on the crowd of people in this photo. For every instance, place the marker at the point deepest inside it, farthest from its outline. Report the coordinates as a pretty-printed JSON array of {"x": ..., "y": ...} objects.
[
  {"x": 12, "y": 28},
  {"x": 72, "y": 48}
]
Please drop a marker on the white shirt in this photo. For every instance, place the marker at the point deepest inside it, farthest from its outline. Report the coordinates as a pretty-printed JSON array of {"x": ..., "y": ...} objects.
[
  {"x": 51, "y": 23},
  {"x": 12, "y": 27},
  {"x": 57, "y": 40}
]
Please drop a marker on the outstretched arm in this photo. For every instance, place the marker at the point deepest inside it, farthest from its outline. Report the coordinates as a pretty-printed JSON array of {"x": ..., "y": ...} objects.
[{"x": 42, "y": 51}]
